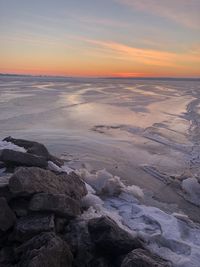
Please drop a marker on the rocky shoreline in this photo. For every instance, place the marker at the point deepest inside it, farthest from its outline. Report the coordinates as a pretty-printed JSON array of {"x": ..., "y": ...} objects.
[{"x": 40, "y": 217}]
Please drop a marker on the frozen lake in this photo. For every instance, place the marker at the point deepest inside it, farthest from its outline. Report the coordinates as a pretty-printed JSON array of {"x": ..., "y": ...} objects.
[{"x": 145, "y": 131}]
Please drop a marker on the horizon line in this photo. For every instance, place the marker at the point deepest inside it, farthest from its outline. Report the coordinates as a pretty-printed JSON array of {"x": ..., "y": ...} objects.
[{"x": 99, "y": 77}]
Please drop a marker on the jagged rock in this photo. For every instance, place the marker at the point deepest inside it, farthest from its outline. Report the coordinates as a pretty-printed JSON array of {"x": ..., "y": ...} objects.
[
  {"x": 35, "y": 148},
  {"x": 27, "y": 181},
  {"x": 109, "y": 238},
  {"x": 4, "y": 189},
  {"x": 44, "y": 250},
  {"x": 16, "y": 158},
  {"x": 59, "y": 204},
  {"x": 143, "y": 258},
  {"x": 27, "y": 227},
  {"x": 78, "y": 238},
  {"x": 7, "y": 217}
]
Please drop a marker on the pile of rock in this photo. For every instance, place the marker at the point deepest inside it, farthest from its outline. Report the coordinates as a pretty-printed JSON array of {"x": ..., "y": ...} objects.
[{"x": 41, "y": 223}]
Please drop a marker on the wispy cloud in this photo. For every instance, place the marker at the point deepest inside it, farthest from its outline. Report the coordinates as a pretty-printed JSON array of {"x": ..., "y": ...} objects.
[
  {"x": 146, "y": 56},
  {"x": 185, "y": 12}
]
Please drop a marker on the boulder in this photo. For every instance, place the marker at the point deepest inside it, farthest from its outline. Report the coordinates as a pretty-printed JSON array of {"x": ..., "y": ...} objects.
[
  {"x": 44, "y": 250},
  {"x": 16, "y": 158},
  {"x": 28, "y": 181},
  {"x": 59, "y": 204},
  {"x": 7, "y": 217},
  {"x": 4, "y": 189},
  {"x": 6, "y": 256},
  {"x": 29, "y": 226},
  {"x": 143, "y": 258},
  {"x": 36, "y": 149},
  {"x": 2, "y": 165},
  {"x": 109, "y": 238},
  {"x": 19, "y": 206},
  {"x": 78, "y": 238}
]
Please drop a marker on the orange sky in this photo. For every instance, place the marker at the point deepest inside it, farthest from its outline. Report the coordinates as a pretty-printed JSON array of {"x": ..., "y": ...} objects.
[{"x": 148, "y": 39}]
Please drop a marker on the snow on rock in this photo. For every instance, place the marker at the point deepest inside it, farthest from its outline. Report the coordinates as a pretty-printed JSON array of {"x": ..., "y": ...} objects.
[
  {"x": 53, "y": 167},
  {"x": 11, "y": 146},
  {"x": 171, "y": 236}
]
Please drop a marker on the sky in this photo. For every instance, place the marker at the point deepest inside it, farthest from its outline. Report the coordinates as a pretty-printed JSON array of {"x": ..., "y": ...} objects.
[{"x": 120, "y": 38}]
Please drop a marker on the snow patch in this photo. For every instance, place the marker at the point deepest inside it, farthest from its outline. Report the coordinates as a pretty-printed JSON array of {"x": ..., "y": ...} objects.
[{"x": 11, "y": 146}]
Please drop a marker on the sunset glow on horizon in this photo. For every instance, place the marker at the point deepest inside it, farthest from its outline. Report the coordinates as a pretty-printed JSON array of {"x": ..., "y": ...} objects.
[{"x": 119, "y": 38}]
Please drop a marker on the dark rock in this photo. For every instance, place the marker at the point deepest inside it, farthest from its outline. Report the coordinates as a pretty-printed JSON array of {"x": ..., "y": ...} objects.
[
  {"x": 27, "y": 227},
  {"x": 60, "y": 224},
  {"x": 81, "y": 245},
  {"x": 4, "y": 189},
  {"x": 6, "y": 256},
  {"x": 17, "y": 158},
  {"x": 7, "y": 217},
  {"x": 78, "y": 238},
  {"x": 20, "y": 206},
  {"x": 2, "y": 165},
  {"x": 27, "y": 181},
  {"x": 35, "y": 148},
  {"x": 109, "y": 238},
  {"x": 59, "y": 204},
  {"x": 44, "y": 250},
  {"x": 143, "y": 258}
]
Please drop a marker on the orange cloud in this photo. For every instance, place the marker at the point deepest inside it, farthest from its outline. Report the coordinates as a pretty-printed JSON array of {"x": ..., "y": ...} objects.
[{"x": 147, "y": 56}]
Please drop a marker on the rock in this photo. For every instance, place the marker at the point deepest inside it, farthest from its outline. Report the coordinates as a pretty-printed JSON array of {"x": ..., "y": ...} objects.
[
  {"x": 143, "y": 258},
  {"x": 7, "y": 217},
  {"x": 44, "y": 250},
  {"x": 59, "y": 204},
  {"x": 35, "y": 148},
  {"x": 28, "y": 181},
  {"x": 27, "y": 227},
  {"x": 16, "y": 158},
  {"x": 4, "y": 189},
  {"x": 20, "y": 206},
  {"x": 78, "y": 238},
  {"x": 109, "y": 238},
  {"x": 2, "y": 165},
  {"x": 6, "y": 256},
  {"x": 60, "y": 224}
]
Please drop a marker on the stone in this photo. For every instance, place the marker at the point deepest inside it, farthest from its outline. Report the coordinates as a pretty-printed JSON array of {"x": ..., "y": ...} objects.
[
  {"x": 16, "y": 158},
  {"x": 44, "y": 250},
  {"x": 78, "y": 238},
  {"x": 31, "y": 225},
  {"x": 6, "y": 256},
  {"x": 19, "y": 206},
  {"x": 7, "y": 217},
  {"x": 35, "y": 148},
  {"x": 28, "y": 181},
  {"x": 2, "y": 165},
  {"x": 143, "y": 258},
  {"x": 59, "y": 204},
  {"x": 4, "y": 189},
  {"x": 109, "y": 238}
]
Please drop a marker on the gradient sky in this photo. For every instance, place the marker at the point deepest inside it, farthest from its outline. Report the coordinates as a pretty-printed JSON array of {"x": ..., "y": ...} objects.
[{"x": 100, "y": 37}]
